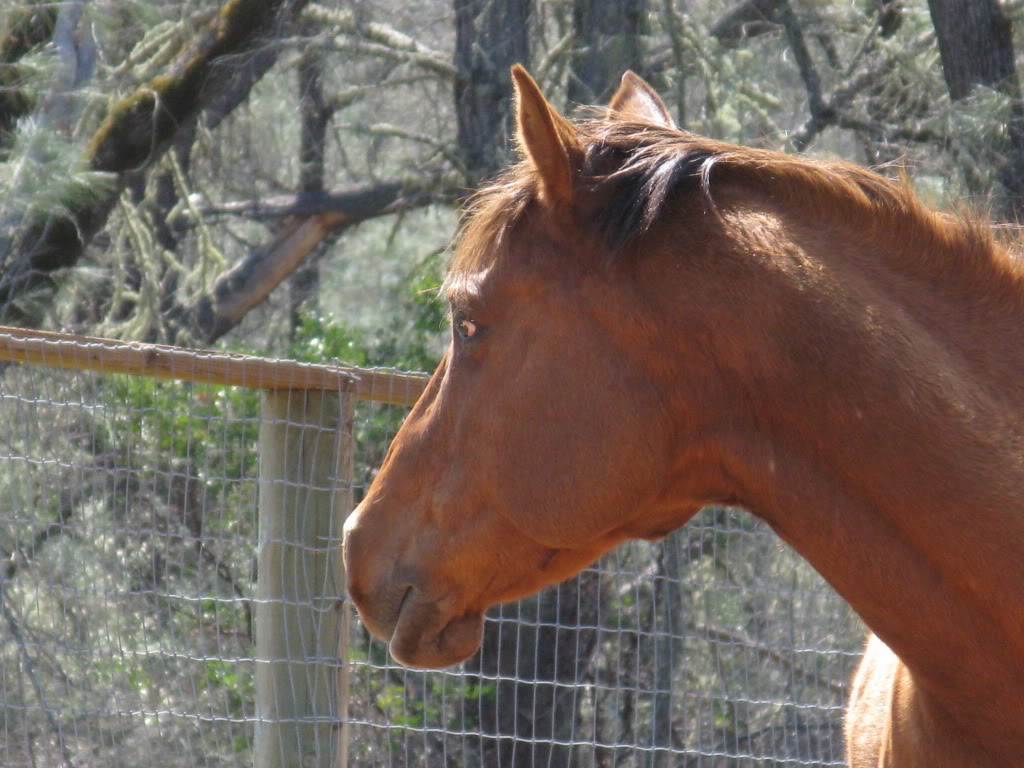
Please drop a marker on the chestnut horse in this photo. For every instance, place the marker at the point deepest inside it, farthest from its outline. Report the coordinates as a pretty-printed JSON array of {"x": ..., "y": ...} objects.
[{"x": 645, "y": 322}]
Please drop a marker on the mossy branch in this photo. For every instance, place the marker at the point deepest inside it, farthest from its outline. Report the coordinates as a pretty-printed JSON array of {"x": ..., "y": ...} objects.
[
  {"x": 134, "y": 135},
  {"x": 21, "y": 32}
]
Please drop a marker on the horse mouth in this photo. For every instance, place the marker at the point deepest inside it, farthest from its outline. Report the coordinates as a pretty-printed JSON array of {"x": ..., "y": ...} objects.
[{"x": 424, "y": 634}]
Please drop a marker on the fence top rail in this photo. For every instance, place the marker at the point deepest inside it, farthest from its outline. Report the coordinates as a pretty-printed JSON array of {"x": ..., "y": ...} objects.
[{"x": 161, "y": 361}]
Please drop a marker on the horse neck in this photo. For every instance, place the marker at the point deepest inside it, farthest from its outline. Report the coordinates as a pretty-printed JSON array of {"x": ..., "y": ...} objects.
[{"x": 884, "y": 443}]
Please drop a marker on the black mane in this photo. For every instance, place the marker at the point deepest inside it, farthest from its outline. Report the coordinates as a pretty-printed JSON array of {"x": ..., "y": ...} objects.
[{"x": 643, "y": 168}]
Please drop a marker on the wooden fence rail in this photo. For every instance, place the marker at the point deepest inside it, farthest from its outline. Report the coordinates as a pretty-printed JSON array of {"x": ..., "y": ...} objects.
[
  {"x": 306, "y": 492},
  {"x": 90, "y": 353}
]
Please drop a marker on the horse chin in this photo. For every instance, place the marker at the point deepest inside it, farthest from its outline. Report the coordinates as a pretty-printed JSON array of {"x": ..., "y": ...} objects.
[{"x": 425, "y": 636}]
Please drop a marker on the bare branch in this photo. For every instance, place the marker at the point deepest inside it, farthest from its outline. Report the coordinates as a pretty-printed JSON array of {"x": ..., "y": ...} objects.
[
  {"x": 804, "y": 62},
  {"x": 224, "y": 572},
  {"x": 393, "y": 131},
  {"x": 560, "y": 52},
  {"x": 378, "y": 39},
  {"x": 356, "y": 202},
  {"x": 66, "y": 508},
  {"x": 892, "y": 133},
  {"x": 22, "y": 555},
  {"x": 30, "y": 672},
  {"x": 251, "y": 280},
  {"x": 833, "y": 110}
]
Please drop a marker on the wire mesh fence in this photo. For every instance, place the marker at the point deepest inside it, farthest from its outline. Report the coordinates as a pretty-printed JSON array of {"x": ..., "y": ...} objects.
[
  {"x": 146, "y": 619},
  {"x": 717, "y": 647}
]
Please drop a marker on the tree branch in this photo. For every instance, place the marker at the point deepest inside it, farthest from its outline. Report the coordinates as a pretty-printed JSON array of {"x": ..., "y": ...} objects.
[
  {"x": 379, "y": 39},
  {"x": 751, "y": 18},
  {"x": 357, "y": 201},
  {"x": 68, "y": 504},
  {"x": 820, "y": 111},
  {"x": 418, "y": 58},
  {"x": 30, "y": 672},
  {"x": 135, "y": 133},
  {"x": 251, "y": 280},
  {"x": 224, "y": 572},
  {"x": 833, "y": 110},
  {"x": 722, "y": 635}
]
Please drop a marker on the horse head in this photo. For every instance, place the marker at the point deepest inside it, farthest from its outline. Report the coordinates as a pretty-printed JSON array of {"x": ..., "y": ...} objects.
[{"x": 548, "y": 434}]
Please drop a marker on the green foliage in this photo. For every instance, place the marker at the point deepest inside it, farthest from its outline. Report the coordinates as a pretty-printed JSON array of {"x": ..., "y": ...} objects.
[
  {"x": 410, "y": 339},
  {"x": 393, "y": 702},
  {"x": 235, "y": 689},
  {"x": 429, "y": 313},
  {"x": 180, "y": 422},
  {"x": 321, "y": 338},
  {"x": 444, "y": 703}
]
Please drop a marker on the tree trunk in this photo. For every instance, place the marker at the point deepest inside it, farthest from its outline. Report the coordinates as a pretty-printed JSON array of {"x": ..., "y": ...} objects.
[
  {"x": 305, "y": 283},
  {"x": 539, "y": 649},
  {"x": 681, "y": 64},
  {"x": 607, "y": 44},
  {"x": 975, "y": 41},
  {"x": 490, "y": 36},
  {"x": 668, "y": 629}
]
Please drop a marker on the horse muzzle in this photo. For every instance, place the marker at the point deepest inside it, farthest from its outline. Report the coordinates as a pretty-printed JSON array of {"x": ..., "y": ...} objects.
[
  {"x": 421, "y": 630},
  {"x": 428, "y": 635}
]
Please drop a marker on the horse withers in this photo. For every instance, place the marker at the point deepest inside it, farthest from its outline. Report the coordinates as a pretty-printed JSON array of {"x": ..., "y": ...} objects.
[{"x": 645, "y": 322}]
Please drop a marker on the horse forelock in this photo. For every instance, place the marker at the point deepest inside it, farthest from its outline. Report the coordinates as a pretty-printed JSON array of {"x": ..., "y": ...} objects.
[
  {"x": 640, "y": 174},
  {"x": 488, "y": 216}
]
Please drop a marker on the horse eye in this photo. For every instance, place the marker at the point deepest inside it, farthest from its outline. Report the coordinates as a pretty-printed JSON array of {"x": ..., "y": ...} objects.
[{"x": 466, "y": 329}]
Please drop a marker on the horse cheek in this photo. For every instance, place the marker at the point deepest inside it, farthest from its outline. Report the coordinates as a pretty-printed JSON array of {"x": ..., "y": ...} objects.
[{"x": 564, "y": 473}]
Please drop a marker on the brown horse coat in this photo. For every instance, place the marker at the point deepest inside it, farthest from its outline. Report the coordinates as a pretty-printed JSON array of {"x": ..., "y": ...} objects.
[{"x": 645, "y": 322}]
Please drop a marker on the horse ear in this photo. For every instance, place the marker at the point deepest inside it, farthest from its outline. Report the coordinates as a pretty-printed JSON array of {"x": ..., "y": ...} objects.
[
  {"x": 635, "y": 98},
  {"x": 545, "y": 137}
]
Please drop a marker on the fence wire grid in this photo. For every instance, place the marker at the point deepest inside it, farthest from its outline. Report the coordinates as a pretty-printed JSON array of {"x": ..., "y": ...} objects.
[{"x": 130, "y": 597}]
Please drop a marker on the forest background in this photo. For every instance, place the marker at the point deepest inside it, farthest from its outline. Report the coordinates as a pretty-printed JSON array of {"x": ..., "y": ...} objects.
[
  {"x": 265, "y": 174},
  {"x": 283, "y": 177}
]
